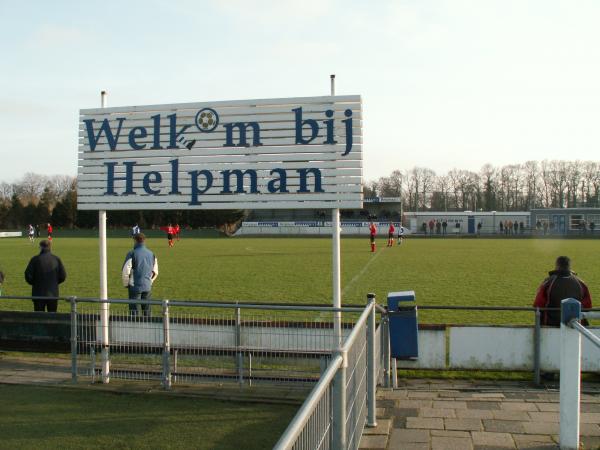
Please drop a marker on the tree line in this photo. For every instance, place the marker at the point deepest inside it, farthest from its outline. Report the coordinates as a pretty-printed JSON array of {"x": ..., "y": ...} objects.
[
  {"x": 514, "y": 187},
  {"x": 39, "y": 199}
]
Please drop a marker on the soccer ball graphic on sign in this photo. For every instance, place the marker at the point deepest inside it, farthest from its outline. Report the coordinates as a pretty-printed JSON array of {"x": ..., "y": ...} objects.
[{"x": 207, "y": 120}]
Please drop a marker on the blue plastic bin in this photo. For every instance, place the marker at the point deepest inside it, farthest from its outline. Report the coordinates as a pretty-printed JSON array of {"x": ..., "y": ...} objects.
[{"x": 404, "y": 326}]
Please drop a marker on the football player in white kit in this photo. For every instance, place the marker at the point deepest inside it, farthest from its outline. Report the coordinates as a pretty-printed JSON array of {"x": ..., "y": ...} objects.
[{"x": 31, "y": 233}]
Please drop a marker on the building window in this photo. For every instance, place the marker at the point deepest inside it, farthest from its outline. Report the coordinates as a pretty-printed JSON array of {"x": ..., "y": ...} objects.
[
  {"x": 593, "y": 219},
  {"x": 575, "y": 221},
  {"x": 542, "y": 218}
]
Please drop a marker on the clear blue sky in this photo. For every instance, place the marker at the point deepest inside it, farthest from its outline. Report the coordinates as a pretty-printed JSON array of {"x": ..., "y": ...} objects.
[{"x": 445, "y": 83}]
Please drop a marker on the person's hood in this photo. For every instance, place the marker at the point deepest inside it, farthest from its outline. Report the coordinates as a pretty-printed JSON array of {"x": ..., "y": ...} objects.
[{"x": 561, "y": 273}]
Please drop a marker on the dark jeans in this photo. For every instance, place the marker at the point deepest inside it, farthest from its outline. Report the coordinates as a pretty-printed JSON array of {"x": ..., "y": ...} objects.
[
  {"x": 134, "y": 307},
  {"x": 43, "y": 305}
]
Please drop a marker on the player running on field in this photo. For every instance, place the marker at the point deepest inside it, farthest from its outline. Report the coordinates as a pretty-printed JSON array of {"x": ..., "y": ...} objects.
[
  {"x": 373, "y": 233},
  {"x": 49, "y": 229},
  {"x": 177, "y": 230},
  {"x": 135, "y": 230},
  {"x": 391, "y": 231},
  {"x": 31, "y": 233},
  {"x": 400, "y": 234},
  {"x": 170, "y": 231}
]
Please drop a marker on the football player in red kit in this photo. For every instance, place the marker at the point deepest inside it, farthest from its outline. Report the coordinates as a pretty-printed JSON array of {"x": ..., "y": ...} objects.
[
  {"x": 373, "y": 233},
  {"x": 177, "y": 230},
  {"x": 49, "y": 228},
  {"x": 170, "y": 231},
  {"x": 391, "y": 231}
]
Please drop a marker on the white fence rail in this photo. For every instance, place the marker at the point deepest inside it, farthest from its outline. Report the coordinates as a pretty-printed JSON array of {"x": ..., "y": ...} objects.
[{"x": 571, "y": 331}]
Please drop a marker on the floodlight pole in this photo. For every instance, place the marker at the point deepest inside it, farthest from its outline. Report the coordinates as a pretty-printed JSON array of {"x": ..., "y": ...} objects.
[
  {"x": 103, "y": 282},
  {"x": 335, "y": 234}
]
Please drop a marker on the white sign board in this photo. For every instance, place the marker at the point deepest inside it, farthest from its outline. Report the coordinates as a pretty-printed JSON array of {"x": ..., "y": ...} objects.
[{"x": 248, "y": 154}]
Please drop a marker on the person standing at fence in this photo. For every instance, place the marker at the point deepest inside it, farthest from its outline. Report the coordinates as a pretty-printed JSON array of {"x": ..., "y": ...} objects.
[
  {"x": 561, "y": 283},
  {"x": 372, "y": 235},
  {"x": 444, "y": 226},
  {"x": 44, "y": 273},
  {"x": 139, "y": 271}
]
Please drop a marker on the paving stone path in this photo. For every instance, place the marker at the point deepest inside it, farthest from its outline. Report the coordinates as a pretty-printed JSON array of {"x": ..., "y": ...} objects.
[{"x": 463, "y": 415}]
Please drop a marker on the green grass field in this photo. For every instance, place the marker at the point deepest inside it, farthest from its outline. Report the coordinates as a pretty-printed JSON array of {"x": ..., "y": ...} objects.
[
  {"x": 53, "y": 418},
  {"x": 298, "y": 270}
]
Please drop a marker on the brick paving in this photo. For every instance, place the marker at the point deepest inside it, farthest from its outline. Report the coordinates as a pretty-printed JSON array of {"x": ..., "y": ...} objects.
[{"x": 463, "y": 415}]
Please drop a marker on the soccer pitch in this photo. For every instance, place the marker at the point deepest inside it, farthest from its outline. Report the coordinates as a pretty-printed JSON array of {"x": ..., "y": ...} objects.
[{"x": 468, "y": 272}]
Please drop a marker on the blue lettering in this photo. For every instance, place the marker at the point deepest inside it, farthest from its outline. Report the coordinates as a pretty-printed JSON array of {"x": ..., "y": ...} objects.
[
  {"x": 137, "y": 133},
  {"x": 151, "y": 177},
  {"x": 104, "y": 128},
  {"x": 314, "y": 127},
  {"x": 173, "y": 133},
  {"x": 303, "y": 180},
  {"x": 278, "y": 184},
  {"x": 174, "y": 177},
  {"x": 348, "y": 122},
  {"x": 329, "y": 127},
  {"x": 239, "y": 181},
  {"x": 242, "y": 128},
  {"x": 195, "y": 191},
  {"x": 156, "y": 143},
  {"x": 110, "y": 178}
]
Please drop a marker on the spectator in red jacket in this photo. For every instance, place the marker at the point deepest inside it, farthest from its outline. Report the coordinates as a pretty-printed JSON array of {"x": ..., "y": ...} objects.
[
  {"x": 170, "y": 232},
  {"x": 561, "y": 283}
]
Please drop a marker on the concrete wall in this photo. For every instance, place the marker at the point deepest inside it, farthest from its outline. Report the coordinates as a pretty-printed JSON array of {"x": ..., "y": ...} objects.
[
  {"x": 311, "y": 229},
  {"x": 495, "y": 348}
]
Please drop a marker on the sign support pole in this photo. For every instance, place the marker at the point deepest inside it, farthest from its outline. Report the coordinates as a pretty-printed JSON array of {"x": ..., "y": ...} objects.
[
  {"x": 104, "y": 316},
  {"x": 335, "y": 234}
]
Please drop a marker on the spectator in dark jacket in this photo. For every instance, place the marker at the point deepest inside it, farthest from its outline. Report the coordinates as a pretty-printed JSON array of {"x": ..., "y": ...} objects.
[
  {"x": 561, "y": 283},
  {"x": 44, "y": 273}
]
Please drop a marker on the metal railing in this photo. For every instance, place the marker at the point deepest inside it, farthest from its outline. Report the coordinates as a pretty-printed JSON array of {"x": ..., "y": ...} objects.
[
  {"x": 571, "y": 331},
  {"x": 244, "y": 343},
  {"x": 343, "y": 401},
  {"x": 195, "y": 342}
]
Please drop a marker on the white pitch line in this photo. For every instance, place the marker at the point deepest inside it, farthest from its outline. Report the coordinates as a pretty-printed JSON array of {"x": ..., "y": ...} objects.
[
  {"x": 322, "y": 315},
  {"x": 362, "y": 272}
]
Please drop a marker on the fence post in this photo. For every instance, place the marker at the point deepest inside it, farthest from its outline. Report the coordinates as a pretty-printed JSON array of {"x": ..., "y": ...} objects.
[
  {"x": 338, "y": 435},
  {"x": 385, "y": 345},
  {"x": 570, "y": 372},
  {"x": 73, "y": 339},
  {"x": 166, "y": 375},
  {"x": 239, "y": 357},
  {"x": 371, "y": 365},
  {"x": 537, "y": 334},
  {"x": 105, "y": 333}
]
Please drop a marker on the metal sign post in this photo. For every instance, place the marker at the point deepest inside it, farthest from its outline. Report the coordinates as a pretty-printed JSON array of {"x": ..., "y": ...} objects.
[
  {"x": 103, "y": 282},
  {"x": 335, "y": 235}
]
